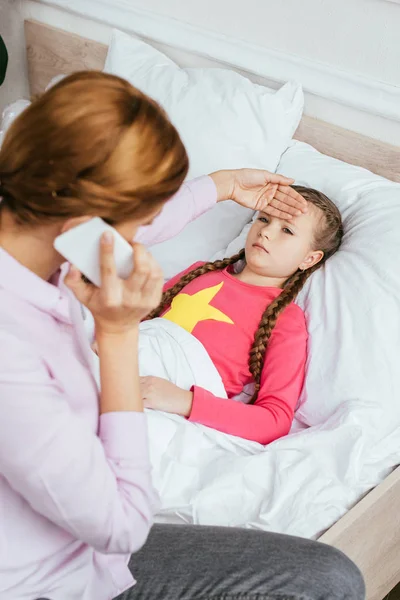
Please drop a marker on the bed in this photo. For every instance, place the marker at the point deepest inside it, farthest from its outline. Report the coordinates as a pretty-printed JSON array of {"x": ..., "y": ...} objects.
[{"x": 51, "y": 51}]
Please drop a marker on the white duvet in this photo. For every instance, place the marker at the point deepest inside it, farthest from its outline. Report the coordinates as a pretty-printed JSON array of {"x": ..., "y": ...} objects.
[
  {"x": 300, "y": 484},
  {"x": 346, "y": 435}
]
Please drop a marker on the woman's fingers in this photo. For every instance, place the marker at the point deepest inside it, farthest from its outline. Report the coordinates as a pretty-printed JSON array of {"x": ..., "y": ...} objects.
[
  {"x": 280, "y": 179},
  {"x": 287, "y": 205},
  {"x": 146, "y": 280},
  {"x": 153, "y": 286},
  {"x": 270, "y": 192},
  {"x": 119, "y": 303},
  {"x": 108, "y": 270},
  {"x": 141, "y": 268},
  {"x": 288, "y": 195},
  {"x": 285, "y": 200},
  {"x": 280, "y": 203},
  {"x": 273, "y": 210},
  {"x": 73, "y": 280},
  {"x": 155, "y": 275}
]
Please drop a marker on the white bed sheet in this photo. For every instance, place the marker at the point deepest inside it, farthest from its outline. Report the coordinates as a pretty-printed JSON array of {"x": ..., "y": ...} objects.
[
  {"x": 346, "y": 435},
  {"x": 345, "y": 438},
  {"x": 301, "y": 484}
]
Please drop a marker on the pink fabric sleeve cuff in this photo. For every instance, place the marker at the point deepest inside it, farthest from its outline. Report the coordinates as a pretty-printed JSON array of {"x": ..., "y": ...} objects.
[
  {"x": 201, "y": 404},
  {"x": 204, "y": 192},
  {"x": 124, "y": 436}
]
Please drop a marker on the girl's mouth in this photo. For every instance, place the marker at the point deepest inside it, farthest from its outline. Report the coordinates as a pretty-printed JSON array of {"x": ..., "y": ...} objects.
[{"x": 260, "y": 247}]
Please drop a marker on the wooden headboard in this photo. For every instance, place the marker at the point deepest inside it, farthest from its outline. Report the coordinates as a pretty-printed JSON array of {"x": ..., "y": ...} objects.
[{"x": 53, "y": 52}]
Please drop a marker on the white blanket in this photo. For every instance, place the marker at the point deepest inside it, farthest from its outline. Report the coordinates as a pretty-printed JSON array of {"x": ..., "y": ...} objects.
[
  {"x": 167, "y": 350},
  {"x": 300, "y": 484}
]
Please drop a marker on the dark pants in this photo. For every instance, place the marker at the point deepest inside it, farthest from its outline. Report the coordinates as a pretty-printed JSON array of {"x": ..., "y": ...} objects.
[{"x": 189, "y": 562}]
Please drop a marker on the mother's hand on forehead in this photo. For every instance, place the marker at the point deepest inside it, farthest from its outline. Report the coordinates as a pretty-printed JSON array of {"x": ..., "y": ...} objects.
[
  {"x": 285, "y": 204},
  {"x": 260, "y": 190}
]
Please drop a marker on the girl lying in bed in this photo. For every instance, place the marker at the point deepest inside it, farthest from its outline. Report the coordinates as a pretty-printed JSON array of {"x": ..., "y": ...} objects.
[{"x": 242, "y": 310}]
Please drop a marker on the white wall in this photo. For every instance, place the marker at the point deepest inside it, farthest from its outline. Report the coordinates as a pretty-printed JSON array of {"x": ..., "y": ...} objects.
[
  {"x": 11, "y": 29},
  {"x": 358, "y": 36},
  {"x": 345, "y": 53},
  {"x": 352, "y": 38},
  {"x": 361, "y": 38}
]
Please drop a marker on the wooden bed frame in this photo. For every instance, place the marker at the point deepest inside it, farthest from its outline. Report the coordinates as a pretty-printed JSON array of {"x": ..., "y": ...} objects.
[{"x": 370, "y": 532}]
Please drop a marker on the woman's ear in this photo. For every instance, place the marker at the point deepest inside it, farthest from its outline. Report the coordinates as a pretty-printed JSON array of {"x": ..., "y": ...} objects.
[
  {"x": 70, "y": 223},
  {"x": 311, "y": 259}
]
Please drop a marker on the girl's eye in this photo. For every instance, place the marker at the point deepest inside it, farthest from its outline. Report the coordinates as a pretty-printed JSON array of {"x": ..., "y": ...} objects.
[
  {"x": 263, "y": 219},
  {"x": 286, "y": 230}
]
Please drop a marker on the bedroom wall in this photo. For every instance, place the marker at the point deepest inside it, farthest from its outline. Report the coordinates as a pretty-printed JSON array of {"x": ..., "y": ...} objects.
[
  {"x": 11, "y": 29},
  {"x": 358, "y": 36},
  {"x": 351, "y": 47}
]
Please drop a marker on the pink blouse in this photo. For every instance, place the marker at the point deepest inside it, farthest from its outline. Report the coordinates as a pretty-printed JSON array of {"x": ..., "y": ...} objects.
[{"x": 76, "y": 497}]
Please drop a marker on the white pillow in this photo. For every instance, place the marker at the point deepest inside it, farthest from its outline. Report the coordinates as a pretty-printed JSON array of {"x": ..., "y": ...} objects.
[
  {"x": 225, "y": 122},
  {"x": 353, "y": 303}
]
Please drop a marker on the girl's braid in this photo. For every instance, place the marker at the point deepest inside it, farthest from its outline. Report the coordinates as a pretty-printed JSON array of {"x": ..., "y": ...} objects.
[
  {"x": 268, "y": 322},
  {"x": 170, "y": 294}
]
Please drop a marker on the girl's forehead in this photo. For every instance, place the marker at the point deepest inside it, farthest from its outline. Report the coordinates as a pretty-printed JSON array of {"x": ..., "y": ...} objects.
[{"x": 306, "y": 222}]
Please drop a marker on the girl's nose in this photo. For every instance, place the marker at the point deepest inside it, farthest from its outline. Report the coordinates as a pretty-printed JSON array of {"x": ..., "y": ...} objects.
[{"x": 265, "y": 232}]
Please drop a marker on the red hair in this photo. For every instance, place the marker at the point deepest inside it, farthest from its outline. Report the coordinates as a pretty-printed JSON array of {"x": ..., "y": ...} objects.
[{"x": 91, "y": 145}]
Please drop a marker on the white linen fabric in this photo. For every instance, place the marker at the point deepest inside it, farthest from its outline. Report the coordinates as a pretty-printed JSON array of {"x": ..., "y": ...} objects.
[
  {"x": 167, "y": 350},
  {"x": 299, "y": 484}
]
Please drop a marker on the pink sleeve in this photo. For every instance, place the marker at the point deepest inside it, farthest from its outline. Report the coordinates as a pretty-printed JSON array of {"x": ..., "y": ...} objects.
[
  {"x": 193, "y": 199},
  {"x": 96, "y": 487},
  {"x": 281, "y": 382}
]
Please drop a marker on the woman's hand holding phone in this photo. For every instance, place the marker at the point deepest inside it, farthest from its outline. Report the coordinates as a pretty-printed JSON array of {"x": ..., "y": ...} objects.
[{"x": 119, "y": 304}]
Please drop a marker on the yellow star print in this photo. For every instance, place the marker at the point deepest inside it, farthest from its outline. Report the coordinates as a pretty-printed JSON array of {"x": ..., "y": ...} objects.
[{"x": 187, "y": 311}]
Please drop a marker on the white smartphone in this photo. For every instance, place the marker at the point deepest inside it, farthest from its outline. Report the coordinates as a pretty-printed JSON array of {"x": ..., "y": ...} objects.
[{"x": 81, "y": 247}]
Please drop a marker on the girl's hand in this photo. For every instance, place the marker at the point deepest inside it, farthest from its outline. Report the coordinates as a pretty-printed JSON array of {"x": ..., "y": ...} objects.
[
  {"x": 257, "y": 189},
  {"x": 119, "y": 304},
  {"x": 161, "y": 394}
]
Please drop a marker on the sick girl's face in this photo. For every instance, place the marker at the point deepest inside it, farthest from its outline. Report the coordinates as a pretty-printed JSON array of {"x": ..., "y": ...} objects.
[{"x": 277, "y": 248}]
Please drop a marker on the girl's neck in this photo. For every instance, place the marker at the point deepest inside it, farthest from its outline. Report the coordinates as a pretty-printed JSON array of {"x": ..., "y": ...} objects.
[
  {"x": 248, "y": 276},
  {"x": 32, "y": 247}
]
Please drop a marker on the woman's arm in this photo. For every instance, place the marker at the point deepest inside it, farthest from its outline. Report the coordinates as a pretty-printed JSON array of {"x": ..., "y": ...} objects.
[
  {"x": 193, "y": 199},
  {"x": 251, "y": 188},
  {"x": 96, "y": 487}
]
